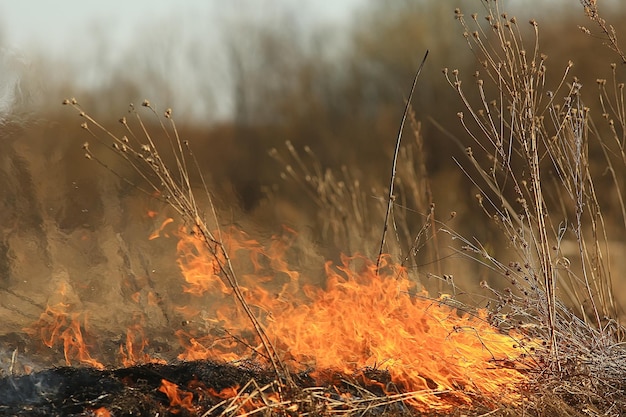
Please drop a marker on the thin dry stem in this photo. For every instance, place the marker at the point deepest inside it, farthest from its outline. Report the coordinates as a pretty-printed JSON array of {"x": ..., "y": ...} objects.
[{"x": 175, "y": 190}]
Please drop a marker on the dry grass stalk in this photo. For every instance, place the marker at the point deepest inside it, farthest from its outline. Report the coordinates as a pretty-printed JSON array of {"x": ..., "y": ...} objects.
[
  {"x": 523, "y": 130},
  {"x": 339, "y": 198},
  {"x": 592, "y": 12},
  {"x": 613, "y": 107},
  {"x": 394, "y": 163},
  {"x": 174, "y": 187},
  {"x": 348, "y": 203}
]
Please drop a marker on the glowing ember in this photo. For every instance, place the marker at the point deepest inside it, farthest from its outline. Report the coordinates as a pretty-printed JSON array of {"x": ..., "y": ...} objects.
[{"x": 101, "y": 412}]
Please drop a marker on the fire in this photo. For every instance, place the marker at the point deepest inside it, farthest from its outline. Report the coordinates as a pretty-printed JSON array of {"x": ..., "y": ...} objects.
[
  {"x": 161, "y": 229},
  {"x": 133, "y": 351},
  {"x": 56, "y": 325},
  {"x": 377, "y": 327},
  {"x": 228, "y": 392},
  {"x": 176, "y": 396},
  {"x": 361, "y": 320},
  {"x": 101, "y": 412}
]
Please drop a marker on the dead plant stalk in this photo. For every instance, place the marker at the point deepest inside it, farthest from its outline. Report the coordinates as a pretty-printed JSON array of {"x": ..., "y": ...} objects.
[
  {"x": 176, "y": 190},
  {"x": 391, "y": 197}
]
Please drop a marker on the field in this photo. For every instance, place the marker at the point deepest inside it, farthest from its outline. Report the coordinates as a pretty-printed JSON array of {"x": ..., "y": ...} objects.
[{"x": 484, "y": 276}]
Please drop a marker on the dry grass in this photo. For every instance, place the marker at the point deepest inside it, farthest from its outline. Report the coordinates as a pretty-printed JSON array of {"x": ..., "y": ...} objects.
[{"x": 530, "y": 161}]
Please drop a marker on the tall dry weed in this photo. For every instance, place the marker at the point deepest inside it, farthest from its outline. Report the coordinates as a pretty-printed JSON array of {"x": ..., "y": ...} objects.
[{"x": 531, "y": 135}]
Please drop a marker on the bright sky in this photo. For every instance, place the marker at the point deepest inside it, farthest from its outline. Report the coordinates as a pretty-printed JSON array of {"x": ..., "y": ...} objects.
[
  {"x": 92, "y": 36},
  {"x": 57, "y": 24},
  {"x": 92, "y": 39}
]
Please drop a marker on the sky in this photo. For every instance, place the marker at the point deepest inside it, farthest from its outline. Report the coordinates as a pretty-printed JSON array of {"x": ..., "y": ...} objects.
[
  {"x": 88, "y": 38},
  {"x": 58, "y": 24},
  {"x": 188, "y": 40}
]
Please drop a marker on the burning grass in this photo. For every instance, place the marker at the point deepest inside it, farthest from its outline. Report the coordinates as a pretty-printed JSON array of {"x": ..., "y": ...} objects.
[
  {"x": 369, "y": 316},
  {"x": 370, "y": 339}
]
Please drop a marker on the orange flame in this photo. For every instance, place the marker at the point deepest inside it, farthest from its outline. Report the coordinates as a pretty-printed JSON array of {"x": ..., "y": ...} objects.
[
  {"x": 55, "y": 325},
  {"x": 174, "y": 395},
  {"x": 101, "y": 412},
  {"x": 225, "y": 393},
  {"x": 158, "y": 232},
  {"x": 361, "y": 320},
  {"x": 133, "y": 351}
]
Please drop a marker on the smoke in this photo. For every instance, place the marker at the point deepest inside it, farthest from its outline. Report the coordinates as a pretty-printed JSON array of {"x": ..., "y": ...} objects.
[{"x": 18, "y": 88}]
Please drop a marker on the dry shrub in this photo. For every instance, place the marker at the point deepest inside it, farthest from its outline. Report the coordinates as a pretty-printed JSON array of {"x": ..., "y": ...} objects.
[{"x": 530, "y": 160}]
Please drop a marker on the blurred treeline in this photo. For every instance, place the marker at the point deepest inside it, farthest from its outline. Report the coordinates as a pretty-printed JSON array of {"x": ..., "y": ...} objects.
[{"x": 337, "y": 90}]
